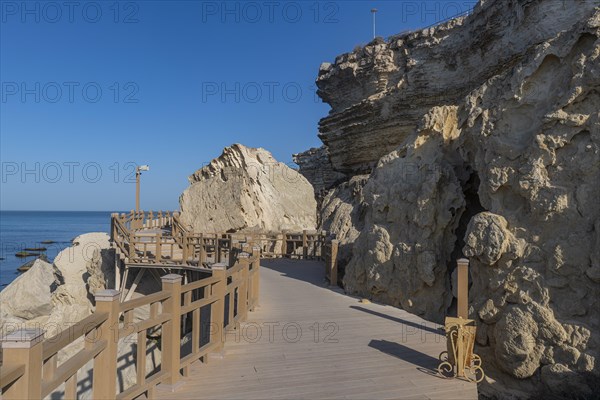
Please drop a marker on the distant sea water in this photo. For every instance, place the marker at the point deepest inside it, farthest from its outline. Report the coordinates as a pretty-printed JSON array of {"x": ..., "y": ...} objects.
[{"x": 27, "y": 229}]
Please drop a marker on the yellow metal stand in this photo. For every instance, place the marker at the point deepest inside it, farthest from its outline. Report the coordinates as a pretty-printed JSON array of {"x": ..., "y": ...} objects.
[{"x": 459, "y": 360}]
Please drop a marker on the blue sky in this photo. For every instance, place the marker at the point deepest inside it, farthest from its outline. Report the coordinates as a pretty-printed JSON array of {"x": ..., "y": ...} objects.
[{"x": 91, "y": 88}]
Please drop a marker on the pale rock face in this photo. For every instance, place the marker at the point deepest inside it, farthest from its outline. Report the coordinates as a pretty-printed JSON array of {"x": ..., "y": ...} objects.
[
  {"x": 413, "y": 200},
  {"x": 317, "y": 169},
  {"x": 496, "y": 159},
  {"x": 247, "y": 189},
  {"x": 341, "y": 214},
  {"x": 29, "y": 296},
  {"x": 379, "y": 93},
  {"x": 488, "y": 238}
]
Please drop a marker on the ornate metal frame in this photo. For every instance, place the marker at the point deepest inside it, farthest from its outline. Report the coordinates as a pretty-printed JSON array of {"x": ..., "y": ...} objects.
[{"x": 459, "y": 360}]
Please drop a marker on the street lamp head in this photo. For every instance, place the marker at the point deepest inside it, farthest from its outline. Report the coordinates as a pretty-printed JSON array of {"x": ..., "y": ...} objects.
[
  {"x": 373, "y": 10},
  {"x": 143, "y": 168}
]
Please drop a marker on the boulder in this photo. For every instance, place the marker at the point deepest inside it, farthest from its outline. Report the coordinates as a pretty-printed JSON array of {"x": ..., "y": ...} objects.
[
  {"x": 246, "y": 189},
  {"x": 30, "y": 295}
]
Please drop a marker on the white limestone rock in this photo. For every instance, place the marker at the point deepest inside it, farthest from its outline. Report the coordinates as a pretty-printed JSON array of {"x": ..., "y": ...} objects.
[
  {"x": 247, "y": 189},
  {"x": 30, "y": 295},
  {"x": 481, "y": 138}
]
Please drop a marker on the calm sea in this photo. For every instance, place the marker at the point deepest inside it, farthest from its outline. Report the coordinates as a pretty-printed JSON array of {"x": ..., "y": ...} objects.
[{"x": 22, "y": 229}]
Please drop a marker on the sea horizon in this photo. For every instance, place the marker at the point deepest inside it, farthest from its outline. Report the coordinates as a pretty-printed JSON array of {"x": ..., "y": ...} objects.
[{"x": 20, "y": 229}]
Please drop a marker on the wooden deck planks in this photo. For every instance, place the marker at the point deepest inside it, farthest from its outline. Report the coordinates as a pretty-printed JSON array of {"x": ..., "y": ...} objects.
[{"x": 373, "y": 351}]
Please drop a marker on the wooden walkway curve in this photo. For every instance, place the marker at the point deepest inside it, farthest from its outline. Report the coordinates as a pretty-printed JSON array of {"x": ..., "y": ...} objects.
[{"x": 308, "y": 341}]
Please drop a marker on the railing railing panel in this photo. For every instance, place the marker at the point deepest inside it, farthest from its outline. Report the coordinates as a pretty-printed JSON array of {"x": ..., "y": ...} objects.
[{"x": 135, "y": 237}]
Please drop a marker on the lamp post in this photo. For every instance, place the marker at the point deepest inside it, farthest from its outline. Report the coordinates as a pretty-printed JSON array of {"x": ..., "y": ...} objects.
[
  {"x": 373, "y": 11},
  {"x": 138, "y": 173}
]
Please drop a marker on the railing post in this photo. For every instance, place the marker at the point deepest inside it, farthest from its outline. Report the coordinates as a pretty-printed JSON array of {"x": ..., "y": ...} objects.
[
  {"x": 255, "y": 276},
  {"x": 184, "y": 248},
  {"x": 217, "y": 248},
  {"x": 174, "y": 230},
  {"x": 322, "y": 243},
  {"x": 202, "y": 255},
  {"x": 171, "y": 333},
  {"x": 463, "y": 288},
  {"x": 131, "y": 254},
  {"x": 283, "y": 244},
  {"x": 24, "y": 347},
  {"x": 113, "y": 227},
  {"x": 244, "y": 260},
  {"x": 304, "y": 245},
  {"x": 333, "y": 263},
  {"x": 158, "y": 248},
  {"x": 105, "y": 363},
  {"x": 217, "y": 324}
]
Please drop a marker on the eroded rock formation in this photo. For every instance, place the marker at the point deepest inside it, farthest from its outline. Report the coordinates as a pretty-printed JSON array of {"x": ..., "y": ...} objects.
[
  {"x": 317, "y": 169},
  {"x": 479, "y": 138},
  {"x": 247, "y": 189},
  {"x": 55, "y": 296}
]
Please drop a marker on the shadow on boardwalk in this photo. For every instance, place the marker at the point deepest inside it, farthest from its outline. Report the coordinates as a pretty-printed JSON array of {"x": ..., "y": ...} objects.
[{"x": 306, "y": 341}]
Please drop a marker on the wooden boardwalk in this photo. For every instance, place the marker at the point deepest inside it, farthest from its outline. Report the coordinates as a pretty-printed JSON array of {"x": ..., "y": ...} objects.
[{"x": 308, "y": 341}]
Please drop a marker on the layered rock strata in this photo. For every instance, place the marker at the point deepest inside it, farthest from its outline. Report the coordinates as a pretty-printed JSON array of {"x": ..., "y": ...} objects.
[{"x": 480, "y": 138}]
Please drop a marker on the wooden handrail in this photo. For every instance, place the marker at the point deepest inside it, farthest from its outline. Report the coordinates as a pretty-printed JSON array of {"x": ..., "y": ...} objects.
[
  {"x": 10, "y": 373},
  {"x": 143, "y": 301},
  {"x": 61, "y": 340},
  {"x": 198, "y": 284}
]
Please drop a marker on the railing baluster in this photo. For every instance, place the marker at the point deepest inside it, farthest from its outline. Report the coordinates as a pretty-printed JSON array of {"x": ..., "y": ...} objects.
[
  {"x": 244, "y": 260},
  {"x": 141, "y": 357},
  {"x": 71, "y": 387},
  {"x": 255, "y": 276},
  {"x": 49, "y": 368},
  {"x": 304, "y": 245}
]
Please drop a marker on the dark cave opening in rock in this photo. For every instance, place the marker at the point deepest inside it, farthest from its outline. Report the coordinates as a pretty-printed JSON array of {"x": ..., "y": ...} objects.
[{"x": 470, "y": 188}]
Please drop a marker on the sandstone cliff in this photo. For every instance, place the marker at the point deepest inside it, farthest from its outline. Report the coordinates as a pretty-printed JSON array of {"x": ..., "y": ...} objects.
[
  {"x": 479, "y": 137},
  {"x": 247, "y": 189}
]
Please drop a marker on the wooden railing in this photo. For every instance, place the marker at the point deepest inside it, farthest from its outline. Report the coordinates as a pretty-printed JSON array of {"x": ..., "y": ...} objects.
[
  {"x": 212, "y": 305},
  {"x": 330, "y": 256},
  {"x": 161, "y": 238}
]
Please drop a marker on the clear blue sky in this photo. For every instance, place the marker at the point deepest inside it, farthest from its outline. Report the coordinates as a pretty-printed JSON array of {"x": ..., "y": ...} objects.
[{"x": 90, "y": 88}]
